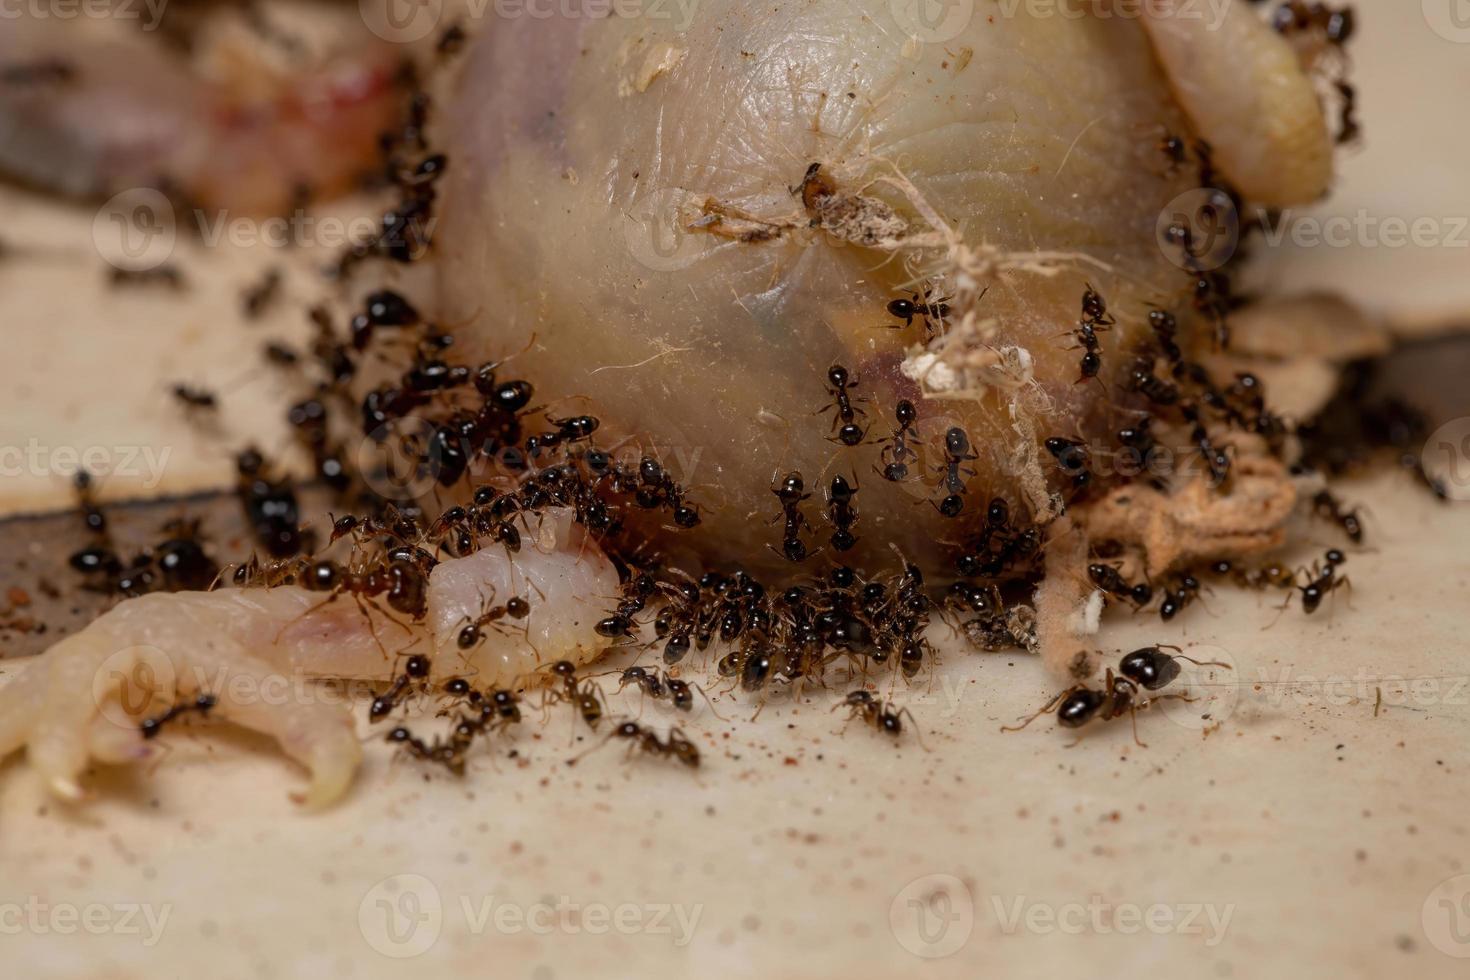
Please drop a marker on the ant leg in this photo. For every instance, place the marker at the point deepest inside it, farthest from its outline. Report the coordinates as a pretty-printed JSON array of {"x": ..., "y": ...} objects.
[
  {"x": 918, "y": 732},
  {"x": 1198, "y": 663},
  {"x": 1045, "y": 708}
]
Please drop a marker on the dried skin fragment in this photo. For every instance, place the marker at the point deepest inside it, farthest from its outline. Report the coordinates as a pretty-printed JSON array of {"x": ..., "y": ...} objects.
[{"x": 1196, "y": 522}]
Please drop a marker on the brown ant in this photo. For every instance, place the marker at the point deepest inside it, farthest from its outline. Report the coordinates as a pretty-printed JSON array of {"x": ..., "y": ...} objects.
[
  {"x": 813, "y": 187},
  {"x": 201, "y": 705},
  {"x": 677, "y": 746},
  {"x": 1178, "y": 595},
  {"x": 415, "y": 669},
  {"x": 584, "y": 696},
  {"x": 1147, "y": 669},
  {"x": 472, "y": 634},
  {"x": 840, "y": 388},
  {"x": 878, "y": 715}
]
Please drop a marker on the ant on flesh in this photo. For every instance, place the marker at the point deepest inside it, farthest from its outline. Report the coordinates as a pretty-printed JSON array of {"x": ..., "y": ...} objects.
[
  {"x": 1147, "y": 669},
  {"x": 896, "y": 454},
  {"x": 1072, "y": 457},
  {"x": 1348, "y": 128},
  {"x": 931, "y": 312},
  {"x": 957, "y": 452},
  {"x": 791, "y": 493},
  {"x": 474, "y": 633},
  {"x": 840, "y": 388},
  {"x": 201, "y": 705},
  {"x": 841, "y": 512}
]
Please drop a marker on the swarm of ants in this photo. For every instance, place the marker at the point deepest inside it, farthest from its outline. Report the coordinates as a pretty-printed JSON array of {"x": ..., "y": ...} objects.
[{"x": 825, "y": 617}]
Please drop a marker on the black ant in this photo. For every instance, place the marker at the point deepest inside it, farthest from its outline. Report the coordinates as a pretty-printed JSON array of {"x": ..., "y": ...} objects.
[
  {"x": 1141, "y": 378},
  {"x": 1322, "y": 580},
  {"x": 415, "y": 669},
  {"x": 1073, "y": 457},
  {"x": 258, "y": 298},
  {"x": 1174, "y": 149},
  {"x": 841, "y": 512},
  {"x": 1178, "y": 595},
  {"x": 658, "y": 686},
  {"x": 791, "y": 493},
  {"x": 931, "y": 312},
  {"x": 1148, "y": 669},
  {"x": 202, "y": 705},
  {"x": 200, "y": 399},
  {"x": 165, "y": 275},
  {"x": 46, "y": 71},
  {"x": 896, "y": 454},
  {"x": 1348, "y": 128},
  {"x": 1109, "y": 580},
  {"x": 1165, "y": 327},
  {"x": 879, "y": 715},
  {"x": 841, "y": 385},
  {"x": 957, "y": 452},
  {"x": 1327, "y": 507}
]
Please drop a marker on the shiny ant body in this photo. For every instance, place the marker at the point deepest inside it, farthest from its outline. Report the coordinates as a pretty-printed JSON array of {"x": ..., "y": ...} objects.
[
  {"x": 840, "y": 385},
  {"x": 584, "y": 696},
  {"x": 791, "y": 492},
  {"x": 930, "y": 312},
  {"x": 842, "y": 512},
  {"x": 896, "y": 455},
  {"x": 1109, "y": 580},
  {"x": 1146, "y": 669},
  {"x": 957, "y": 453}
]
